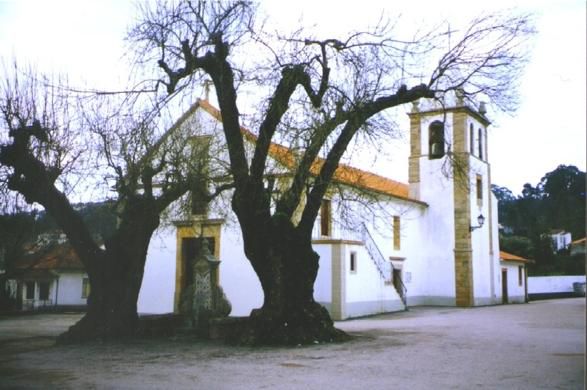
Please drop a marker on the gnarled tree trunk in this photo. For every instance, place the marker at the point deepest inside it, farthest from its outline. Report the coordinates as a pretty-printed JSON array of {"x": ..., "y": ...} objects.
[
  {"x": 287, "y": 267},
  {"x": 115, "y": 280},
  {"x": 33, "y": 162},
  {"x": 111, "y": 309}
]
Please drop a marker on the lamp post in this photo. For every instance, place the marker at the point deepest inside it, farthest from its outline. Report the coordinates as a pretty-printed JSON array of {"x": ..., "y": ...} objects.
[{"x": 480, "y": 221}]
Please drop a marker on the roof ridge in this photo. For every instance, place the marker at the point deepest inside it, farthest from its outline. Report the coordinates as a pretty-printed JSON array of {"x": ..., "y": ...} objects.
[
  {"x": 511, "y": 257},
  {"x": 358, "y": 176}
]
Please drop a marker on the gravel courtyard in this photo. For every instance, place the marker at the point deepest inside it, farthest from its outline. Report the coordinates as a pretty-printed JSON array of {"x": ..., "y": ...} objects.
[{"x": 540, "y": 345}]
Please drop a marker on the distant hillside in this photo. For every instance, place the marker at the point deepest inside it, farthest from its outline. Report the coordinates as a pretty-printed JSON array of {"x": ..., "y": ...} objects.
[{"x": 527, "y": 221}]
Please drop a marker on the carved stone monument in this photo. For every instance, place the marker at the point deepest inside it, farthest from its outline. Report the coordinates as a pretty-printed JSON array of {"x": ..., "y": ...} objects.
[{"x": 203, "y": 299}]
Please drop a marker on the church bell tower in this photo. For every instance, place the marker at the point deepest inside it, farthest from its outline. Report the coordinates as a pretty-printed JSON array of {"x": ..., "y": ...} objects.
[{"x": 449, "y": 170}]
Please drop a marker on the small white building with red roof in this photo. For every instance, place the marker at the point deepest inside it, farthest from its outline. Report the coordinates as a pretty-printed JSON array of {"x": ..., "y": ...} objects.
[{"x": 50, "y": 275}]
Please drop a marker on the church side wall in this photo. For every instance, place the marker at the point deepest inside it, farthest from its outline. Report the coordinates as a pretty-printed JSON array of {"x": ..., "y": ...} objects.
[
  {"x": 237, "y": 277},
  {"x": 323, "y": 284},
  {"x": 158, "y": 288},
  {"x": 426, "y": 256},
  {"x": 409, "y": 256},
  {"x": 366, "y": 290}
]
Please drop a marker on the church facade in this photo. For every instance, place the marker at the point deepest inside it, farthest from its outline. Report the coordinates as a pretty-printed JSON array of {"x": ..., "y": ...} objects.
[{"x": 431, "y": 241}]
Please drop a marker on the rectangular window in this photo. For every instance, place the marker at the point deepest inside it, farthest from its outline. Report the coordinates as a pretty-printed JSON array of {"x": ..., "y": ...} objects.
[
  {"x": 199, "y": 196},
  {"x": 30, "y": 290},
  {"x": 85, "y": 288},
  {"x": 480, "y": 143},
  {"x": 44, "y": 291},
  {"x": 520, "y": 275},
  {"x": 200, "y": 161},
  {"x": 479, "y": 189},
  {"x": 325, "y": 217},
  {"x": 471, "y": 139},
  {"x": 396, "y": 233},
  {"x": 353, "y": 262}
]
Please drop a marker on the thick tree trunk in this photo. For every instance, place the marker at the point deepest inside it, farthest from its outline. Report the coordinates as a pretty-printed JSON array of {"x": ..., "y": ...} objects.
[
  {"x": 112, "y": 312},
  {"x": 287, "y": 267},
  {"x": 115, "y": 282},
  {"x": 112, "y": 303},
  {"x": 115, "y": 273}
]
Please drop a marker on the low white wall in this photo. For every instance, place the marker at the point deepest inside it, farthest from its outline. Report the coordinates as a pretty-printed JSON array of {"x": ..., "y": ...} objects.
[{"x": 553, "y": 284}]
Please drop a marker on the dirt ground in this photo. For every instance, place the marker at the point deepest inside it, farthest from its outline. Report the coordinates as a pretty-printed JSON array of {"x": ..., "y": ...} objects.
[{"x": 540, "y": 345}]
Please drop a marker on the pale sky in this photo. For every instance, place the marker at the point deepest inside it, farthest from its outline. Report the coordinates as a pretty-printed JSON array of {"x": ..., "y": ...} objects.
[{"x": 84, "y": 40}]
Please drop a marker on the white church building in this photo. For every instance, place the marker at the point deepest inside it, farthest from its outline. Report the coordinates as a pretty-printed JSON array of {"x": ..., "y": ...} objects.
[{"x": 431, "y": 241}]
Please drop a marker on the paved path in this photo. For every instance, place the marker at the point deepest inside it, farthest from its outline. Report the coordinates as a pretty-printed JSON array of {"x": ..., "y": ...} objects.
[{"x": 540, "y": 345}]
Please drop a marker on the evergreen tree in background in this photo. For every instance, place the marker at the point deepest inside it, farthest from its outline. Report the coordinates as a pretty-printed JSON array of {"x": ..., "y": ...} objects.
[{"x": 556, "y": 203}]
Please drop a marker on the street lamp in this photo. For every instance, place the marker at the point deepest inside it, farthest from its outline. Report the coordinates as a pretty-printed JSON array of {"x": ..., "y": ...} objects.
[{"x": 480, "y": 221}]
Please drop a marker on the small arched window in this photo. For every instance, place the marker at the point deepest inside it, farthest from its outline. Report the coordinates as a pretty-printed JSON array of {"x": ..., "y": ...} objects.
[
  {"x": 480, "y": 144},
  {"x": 436, "y": 140},
  {"x": 471, "y": 139}
]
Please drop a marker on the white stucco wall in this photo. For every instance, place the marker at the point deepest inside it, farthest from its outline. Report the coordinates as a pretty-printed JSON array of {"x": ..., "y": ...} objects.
[
  {"x": 485, "y": 259},
  {"x": 158, "y": 288},
  {"x": 429, "y": 267},
  {"x": 237, "y": 277},
  {"x": 495, "y": 269},
  {"x": 69, "y": 291},
  {"x": 431, "y": 278},
  {"x": 516, "y": 289},
  {"x": 366, "y": 290},
  {"x": 414, "y": 271},
  {"x": 553, "y": 284},
  {"x": 427, "y": 244},
  {"x": 432, "y": 268},
  {"x": 323, "y": 284}
]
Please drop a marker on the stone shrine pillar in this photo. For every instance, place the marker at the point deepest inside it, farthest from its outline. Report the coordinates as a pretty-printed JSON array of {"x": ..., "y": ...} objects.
[{"x": 203, "y": 299}]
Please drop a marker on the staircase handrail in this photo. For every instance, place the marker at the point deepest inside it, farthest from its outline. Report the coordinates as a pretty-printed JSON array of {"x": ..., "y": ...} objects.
[
  {"x": 375, "y": 253},
  {"x": 380, "y": 262}
]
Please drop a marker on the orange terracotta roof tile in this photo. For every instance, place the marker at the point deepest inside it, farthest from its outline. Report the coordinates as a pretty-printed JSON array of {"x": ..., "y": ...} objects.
[
  {"x": 505, "y": 256},
  {"x": 54, "y": 257},
  {"x": 344, "y": 174}
]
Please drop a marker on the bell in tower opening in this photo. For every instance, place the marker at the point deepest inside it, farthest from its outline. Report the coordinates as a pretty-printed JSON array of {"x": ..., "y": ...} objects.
[{"x": 436, "y": 140}]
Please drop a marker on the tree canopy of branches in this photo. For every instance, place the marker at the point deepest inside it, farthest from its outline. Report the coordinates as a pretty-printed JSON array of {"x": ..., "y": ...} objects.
[
  {"x": 57, "y": 146},
  {"x": 318, "y": 93}
]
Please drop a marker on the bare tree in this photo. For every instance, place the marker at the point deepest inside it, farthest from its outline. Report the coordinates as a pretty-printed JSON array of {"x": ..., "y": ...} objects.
[
  {"x": 57, "y": 147},
  {"x": 317, "y": 95}
]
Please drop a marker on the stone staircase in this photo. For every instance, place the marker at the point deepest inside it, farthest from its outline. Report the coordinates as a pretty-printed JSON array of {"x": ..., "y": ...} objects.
[{"x": 385, "y": 267}]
